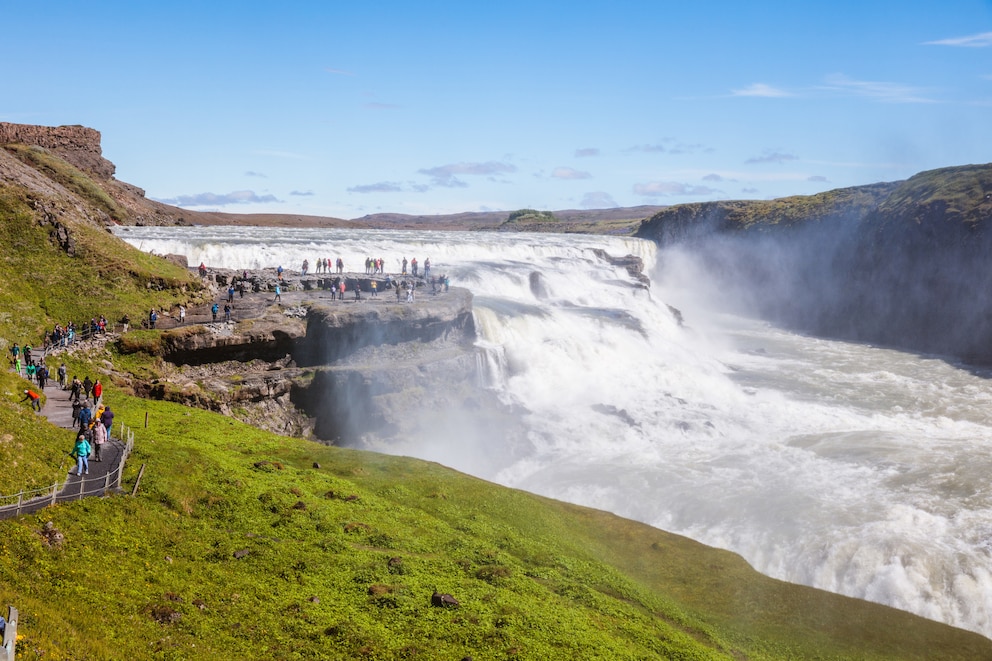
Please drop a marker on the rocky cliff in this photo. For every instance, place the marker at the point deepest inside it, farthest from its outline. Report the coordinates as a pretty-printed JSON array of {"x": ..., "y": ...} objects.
[
  {"x": 77, "y": 145},
  {"x": 903, "y": 264},
  {"x": 354, "y": 372}
]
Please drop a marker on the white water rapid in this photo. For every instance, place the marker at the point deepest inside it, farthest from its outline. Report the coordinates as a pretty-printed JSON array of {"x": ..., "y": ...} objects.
[{"x": 855, "y": 469}]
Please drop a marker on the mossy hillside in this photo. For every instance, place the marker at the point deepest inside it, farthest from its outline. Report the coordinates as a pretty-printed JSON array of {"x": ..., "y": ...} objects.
[
  {"x": 340, "y": 561},
  {"x": 69, "y": 176},
  {"x": 105, "y": 276},
  {"x": 958, "y": 195},
  {"x": 842, "y": 206}
]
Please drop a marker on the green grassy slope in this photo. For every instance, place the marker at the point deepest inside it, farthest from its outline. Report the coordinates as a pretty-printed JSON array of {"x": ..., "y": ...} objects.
[{"x": 342, "y": 559}]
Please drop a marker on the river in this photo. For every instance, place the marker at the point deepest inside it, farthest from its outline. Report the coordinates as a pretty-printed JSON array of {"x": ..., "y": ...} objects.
[{"x": 852, "y": 468}]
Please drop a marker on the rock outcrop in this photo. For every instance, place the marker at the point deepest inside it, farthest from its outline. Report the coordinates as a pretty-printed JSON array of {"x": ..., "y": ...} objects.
[
  {"x": 77, "y": 145},
  {"x": 336, "y": 371}
]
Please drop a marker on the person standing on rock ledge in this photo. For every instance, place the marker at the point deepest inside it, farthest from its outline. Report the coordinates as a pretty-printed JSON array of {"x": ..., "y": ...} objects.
[{"x": 278, "y": 293}]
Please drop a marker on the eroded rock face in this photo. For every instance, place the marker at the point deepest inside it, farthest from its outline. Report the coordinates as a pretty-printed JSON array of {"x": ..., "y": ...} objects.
[
  {"x": 78, "y": 145},
  {"x": 335, "y": 332},
  {"x": 343, "y": 372}
]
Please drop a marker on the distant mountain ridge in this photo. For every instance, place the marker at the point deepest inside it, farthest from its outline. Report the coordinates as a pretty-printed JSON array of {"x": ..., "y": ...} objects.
[{"x": 80, "y": 146}]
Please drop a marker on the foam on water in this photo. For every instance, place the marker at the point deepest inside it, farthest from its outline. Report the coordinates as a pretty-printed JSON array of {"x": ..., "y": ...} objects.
[{"x": 851, "y": 468}]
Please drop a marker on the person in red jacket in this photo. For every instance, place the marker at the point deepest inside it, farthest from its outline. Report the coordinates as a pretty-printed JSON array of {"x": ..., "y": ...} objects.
[
  {"x": 97, "y": 392},
  {"x": 35, "y": 399}
]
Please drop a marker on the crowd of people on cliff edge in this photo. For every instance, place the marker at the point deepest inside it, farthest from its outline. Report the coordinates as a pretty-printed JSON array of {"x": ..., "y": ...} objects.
[{"x": 410, "y": 275}]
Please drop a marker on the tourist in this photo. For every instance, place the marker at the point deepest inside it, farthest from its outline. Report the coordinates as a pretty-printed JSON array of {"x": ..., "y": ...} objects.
[
  {"x": 230, "y": 293},
  {"x": 374, "y": 286},
  {"x": 403, "y": 271},
  {"x": 227, "y": 312},
  {"x": 97, "y": 391},
  {"x": 182, "y": 313},
  {"x": 279, "y": 272},
  {"x": 99, "y": 438},
  {"x": 87, "y": 386},
  {"x": 203, "y": 270},
  {"x": 35, "y": 399},
  {"x": 76, "y": 407},
  {"x": 413, "y": 266},
  {"x": 76, "y": 388},
  {"x": 62, "y": 373},
  {"x": 152, "y": 318},
  {"x": 341, "y": 288},
  {"x": 278, "y": 293},
  {"x": 214, "y": 309},
  {"x": 107, "y": 418},
  {"x": 85, "y": 416},
  {"x": 125, "y": 323},
  {"x": 81, "y": 452},
  {"x": 306, "y": 266}
]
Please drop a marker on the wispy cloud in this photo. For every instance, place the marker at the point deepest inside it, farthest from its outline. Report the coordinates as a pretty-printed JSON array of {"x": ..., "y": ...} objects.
[
  {"x": 971, "y": 41},
  {"x": 885, "y": 92},
  {"x": 598, "y": 200},
  {"x": 381, "y": 187},
  {"x": 569, "y": 173},
  {"x": 670, "y": 146},
  {"x": 762, "y": 90},
  {"x": 650, "y": 149},
  {"x": 249, "y": 173},
  {"x": 717, "y": 178},
  {"x": 215, "y": 200},
  {"x": 338, "y": 72},
  {"x": 302, "y": 193},
  {"x": 586, "y": 152},
  {"x": 750, "y": 191},
  {"x": 666, "y": 188},
  {"x": 819, "y": 178},
  {"x": 282, "y": 154},
  {"x": 772, "y": 157},
  {"x": 447, "y": 175}
]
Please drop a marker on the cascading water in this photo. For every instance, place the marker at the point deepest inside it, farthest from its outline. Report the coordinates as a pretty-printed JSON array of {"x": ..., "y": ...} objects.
[{"x": 847, "y": 467}]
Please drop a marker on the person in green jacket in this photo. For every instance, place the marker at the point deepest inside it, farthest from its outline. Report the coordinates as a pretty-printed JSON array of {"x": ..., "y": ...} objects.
[{"x": 81, "y": 451}]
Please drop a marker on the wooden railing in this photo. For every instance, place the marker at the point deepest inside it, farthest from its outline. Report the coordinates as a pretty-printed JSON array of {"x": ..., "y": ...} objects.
[{"x": 35, "y": 499}]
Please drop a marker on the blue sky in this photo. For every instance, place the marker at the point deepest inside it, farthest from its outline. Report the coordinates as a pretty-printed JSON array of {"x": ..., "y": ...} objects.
[{"x": 348, "y": 108}]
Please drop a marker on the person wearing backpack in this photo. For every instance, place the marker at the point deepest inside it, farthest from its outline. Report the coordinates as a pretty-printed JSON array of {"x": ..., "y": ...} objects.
[
  {"x": 85, "y": 417},
  {"x": 81, "y": 452}
]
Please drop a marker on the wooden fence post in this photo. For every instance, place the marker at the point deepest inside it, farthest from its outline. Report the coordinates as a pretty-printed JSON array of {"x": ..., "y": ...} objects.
[{"x": 138, "y": 481}]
